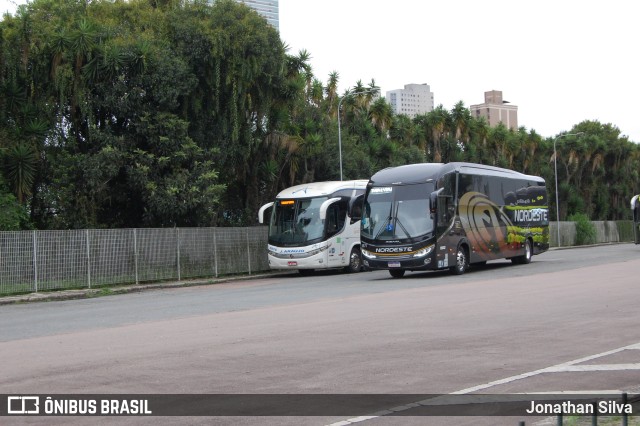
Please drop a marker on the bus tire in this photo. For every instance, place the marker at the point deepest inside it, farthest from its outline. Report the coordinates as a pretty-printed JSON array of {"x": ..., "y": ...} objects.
[
  {"x": 355, "y": 261},
  {"x": 397, "y": 273},
  {"x": 526, "y": 257},
  {"x": 462, "y": 261}
]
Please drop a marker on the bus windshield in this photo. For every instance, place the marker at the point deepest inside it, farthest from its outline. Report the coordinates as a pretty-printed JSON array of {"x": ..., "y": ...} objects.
[
  {"x": 397, "y": 212},
  {"x": 296, "y": 222}
]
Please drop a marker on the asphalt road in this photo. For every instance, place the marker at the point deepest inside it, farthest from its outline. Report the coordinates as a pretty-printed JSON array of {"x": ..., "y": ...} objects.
[{"x": 567, "y": 322}]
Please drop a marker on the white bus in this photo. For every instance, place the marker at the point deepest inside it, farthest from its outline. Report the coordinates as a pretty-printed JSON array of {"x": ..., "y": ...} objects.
[{"x": 316, "y": 226}]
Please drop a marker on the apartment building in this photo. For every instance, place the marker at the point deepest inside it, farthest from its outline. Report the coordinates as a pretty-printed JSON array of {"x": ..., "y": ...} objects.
[
  {"x": 266, "y": 8},
  {"x": 414, "y": 99},
  {"x": 496, "y": 110}
]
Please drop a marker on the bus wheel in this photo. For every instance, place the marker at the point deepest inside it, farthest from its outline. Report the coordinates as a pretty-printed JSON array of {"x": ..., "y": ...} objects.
[
  {"x": 396, "y": 273},
  {"x": 355, "y": 261},
  {"x": 462, "y": 261},
  {"x": 526, "y": 257}
]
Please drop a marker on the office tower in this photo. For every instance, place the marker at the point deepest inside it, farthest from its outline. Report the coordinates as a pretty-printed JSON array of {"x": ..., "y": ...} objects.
[
  {"x": 496, "y": 110},
  {"x": 266, "y": 8},
  {"x": 414, "y": 99}
]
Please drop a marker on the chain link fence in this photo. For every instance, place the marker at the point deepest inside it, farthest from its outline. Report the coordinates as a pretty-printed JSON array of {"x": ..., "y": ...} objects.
[{"x": 32, "y": 261}]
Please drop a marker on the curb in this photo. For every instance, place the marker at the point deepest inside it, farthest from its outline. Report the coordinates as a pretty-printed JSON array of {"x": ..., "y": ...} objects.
[{"x": 57, "y": 295}]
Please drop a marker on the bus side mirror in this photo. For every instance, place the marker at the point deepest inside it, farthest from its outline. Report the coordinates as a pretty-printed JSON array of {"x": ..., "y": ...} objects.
[
  {"x": 261, "y": 212},
  {"x": 324, "y": 206},
  {"x": 433, "y": 201},
  {"x": 355, "y": 208}
]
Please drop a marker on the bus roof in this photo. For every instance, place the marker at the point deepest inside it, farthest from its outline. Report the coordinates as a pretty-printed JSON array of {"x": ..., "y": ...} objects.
[
  {"x": 422, "y": 172},
  {"x": 317, "y": 189}
]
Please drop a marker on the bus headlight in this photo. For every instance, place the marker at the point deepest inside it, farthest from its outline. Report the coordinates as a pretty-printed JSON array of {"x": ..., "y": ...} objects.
[
  {"x": 424, "y": 251},
  {"x": 293, "y": 253},
  {"x": 367, "y": 254},
  {"x": 316, "y": 251}
]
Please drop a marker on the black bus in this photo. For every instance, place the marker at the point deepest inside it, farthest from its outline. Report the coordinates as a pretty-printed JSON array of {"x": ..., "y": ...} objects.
[
  {"x": 635, "y": 209},
  {"x": 448, "y": 216}
]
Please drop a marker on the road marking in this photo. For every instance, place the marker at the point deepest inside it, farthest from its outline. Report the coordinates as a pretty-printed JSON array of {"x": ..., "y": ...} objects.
[
  {"x": 600, "y": 367},
  {"x": 552, "y": 369},
  {"x": 569, "y": 366}
]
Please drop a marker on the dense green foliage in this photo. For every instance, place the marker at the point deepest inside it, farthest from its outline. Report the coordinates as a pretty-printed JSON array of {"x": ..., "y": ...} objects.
[
  {"x": 585, "y": 230},
  {"x": 13, "y": 215},
  {"x": 150, "y": 113}
]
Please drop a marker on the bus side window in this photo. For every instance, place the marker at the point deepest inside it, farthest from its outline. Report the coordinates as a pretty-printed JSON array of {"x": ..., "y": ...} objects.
[
  {"x": 443, "y": 209},
  {"x": 336, "y": 215},
  {"x": 446, "y": 202},
  {"x": 466, "y": 184}
]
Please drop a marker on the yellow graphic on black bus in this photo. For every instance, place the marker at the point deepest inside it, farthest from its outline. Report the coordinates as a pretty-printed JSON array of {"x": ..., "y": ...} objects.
[{"x": 493, "y": 230}]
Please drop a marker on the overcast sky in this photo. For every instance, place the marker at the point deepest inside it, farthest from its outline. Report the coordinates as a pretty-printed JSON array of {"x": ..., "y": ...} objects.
[{"x": 559, "y": 61}]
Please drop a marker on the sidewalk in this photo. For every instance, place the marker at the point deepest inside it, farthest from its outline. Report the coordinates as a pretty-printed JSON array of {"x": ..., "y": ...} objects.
[{"x": 54, "y": 295}]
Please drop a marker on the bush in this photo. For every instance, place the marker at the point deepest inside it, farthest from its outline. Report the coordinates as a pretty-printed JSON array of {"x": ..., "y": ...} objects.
[
  {"x": 13, "y": 216},
  {"x": 585, "y": 231}
]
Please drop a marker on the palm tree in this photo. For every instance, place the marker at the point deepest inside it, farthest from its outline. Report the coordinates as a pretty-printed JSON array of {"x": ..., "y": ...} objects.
[
  {"x": 381, "y": 115},
  {"x": 316, "y": 94},
  {"x": 422, "y": 131},
  {"x": 402, "y": 130},
  {"x": 461, "y": 118},
  {"x": 530, "y": 148},
  {"x": 438, "y": 120},
  {"x": 362, "y": 95},
  {"x": 20, "y": 164},
  {"x": 332, "y": 93},
  {"x": 481, "y": 129}
]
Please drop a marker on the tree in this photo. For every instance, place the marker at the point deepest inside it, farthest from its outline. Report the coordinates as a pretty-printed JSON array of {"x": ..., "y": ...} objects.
[
  {"x": 461, "y": 119},
  {"x": 381, "y": 115},
  {"x": 438, "y": 122},
  {"x": 20, "y": 164},
  {"x": 13, "y": 215},
  {"x": 165, "y": 113}
]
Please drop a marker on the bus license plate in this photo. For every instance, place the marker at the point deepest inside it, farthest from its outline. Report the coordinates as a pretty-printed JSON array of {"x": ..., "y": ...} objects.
[
  {"x": 292, "y": 263},
  {"x": 394, "y": 264}
]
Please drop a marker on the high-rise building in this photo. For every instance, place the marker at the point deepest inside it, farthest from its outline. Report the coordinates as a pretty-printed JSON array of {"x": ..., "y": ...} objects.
[
  {"x": 496, "y": 110},
  {"x": 266, "y": 8},
  {"x": 414, "y": 99}
]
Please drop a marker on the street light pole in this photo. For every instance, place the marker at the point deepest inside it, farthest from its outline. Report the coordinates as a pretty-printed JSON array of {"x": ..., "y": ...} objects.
[
  {"x": 555, "y": 169},
  {"x": 347, "y": 94}
]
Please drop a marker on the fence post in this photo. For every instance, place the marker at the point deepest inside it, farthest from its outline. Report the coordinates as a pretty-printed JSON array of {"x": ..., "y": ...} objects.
[
  {"x": 178, "y": 250},
  {"x": 88, "y": 258},
  {"x": 135, "y": 252},
  {"x": 248, "y": 252},
  {"x": 35, "y": 262},
  {"x": 215, "y": 250}
]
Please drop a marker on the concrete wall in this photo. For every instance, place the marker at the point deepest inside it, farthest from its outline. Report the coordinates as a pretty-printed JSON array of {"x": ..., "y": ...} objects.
[{"x": 606, "y": 232}]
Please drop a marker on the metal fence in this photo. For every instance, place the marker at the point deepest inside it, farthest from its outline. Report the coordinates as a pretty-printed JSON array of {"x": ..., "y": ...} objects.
[{"x": 32, "y": 261}]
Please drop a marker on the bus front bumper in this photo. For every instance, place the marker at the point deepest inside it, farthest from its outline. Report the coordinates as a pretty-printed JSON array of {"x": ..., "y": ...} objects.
[
  {"x": 421, "y": 259},
  {"x": 317, "y": 261}
]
